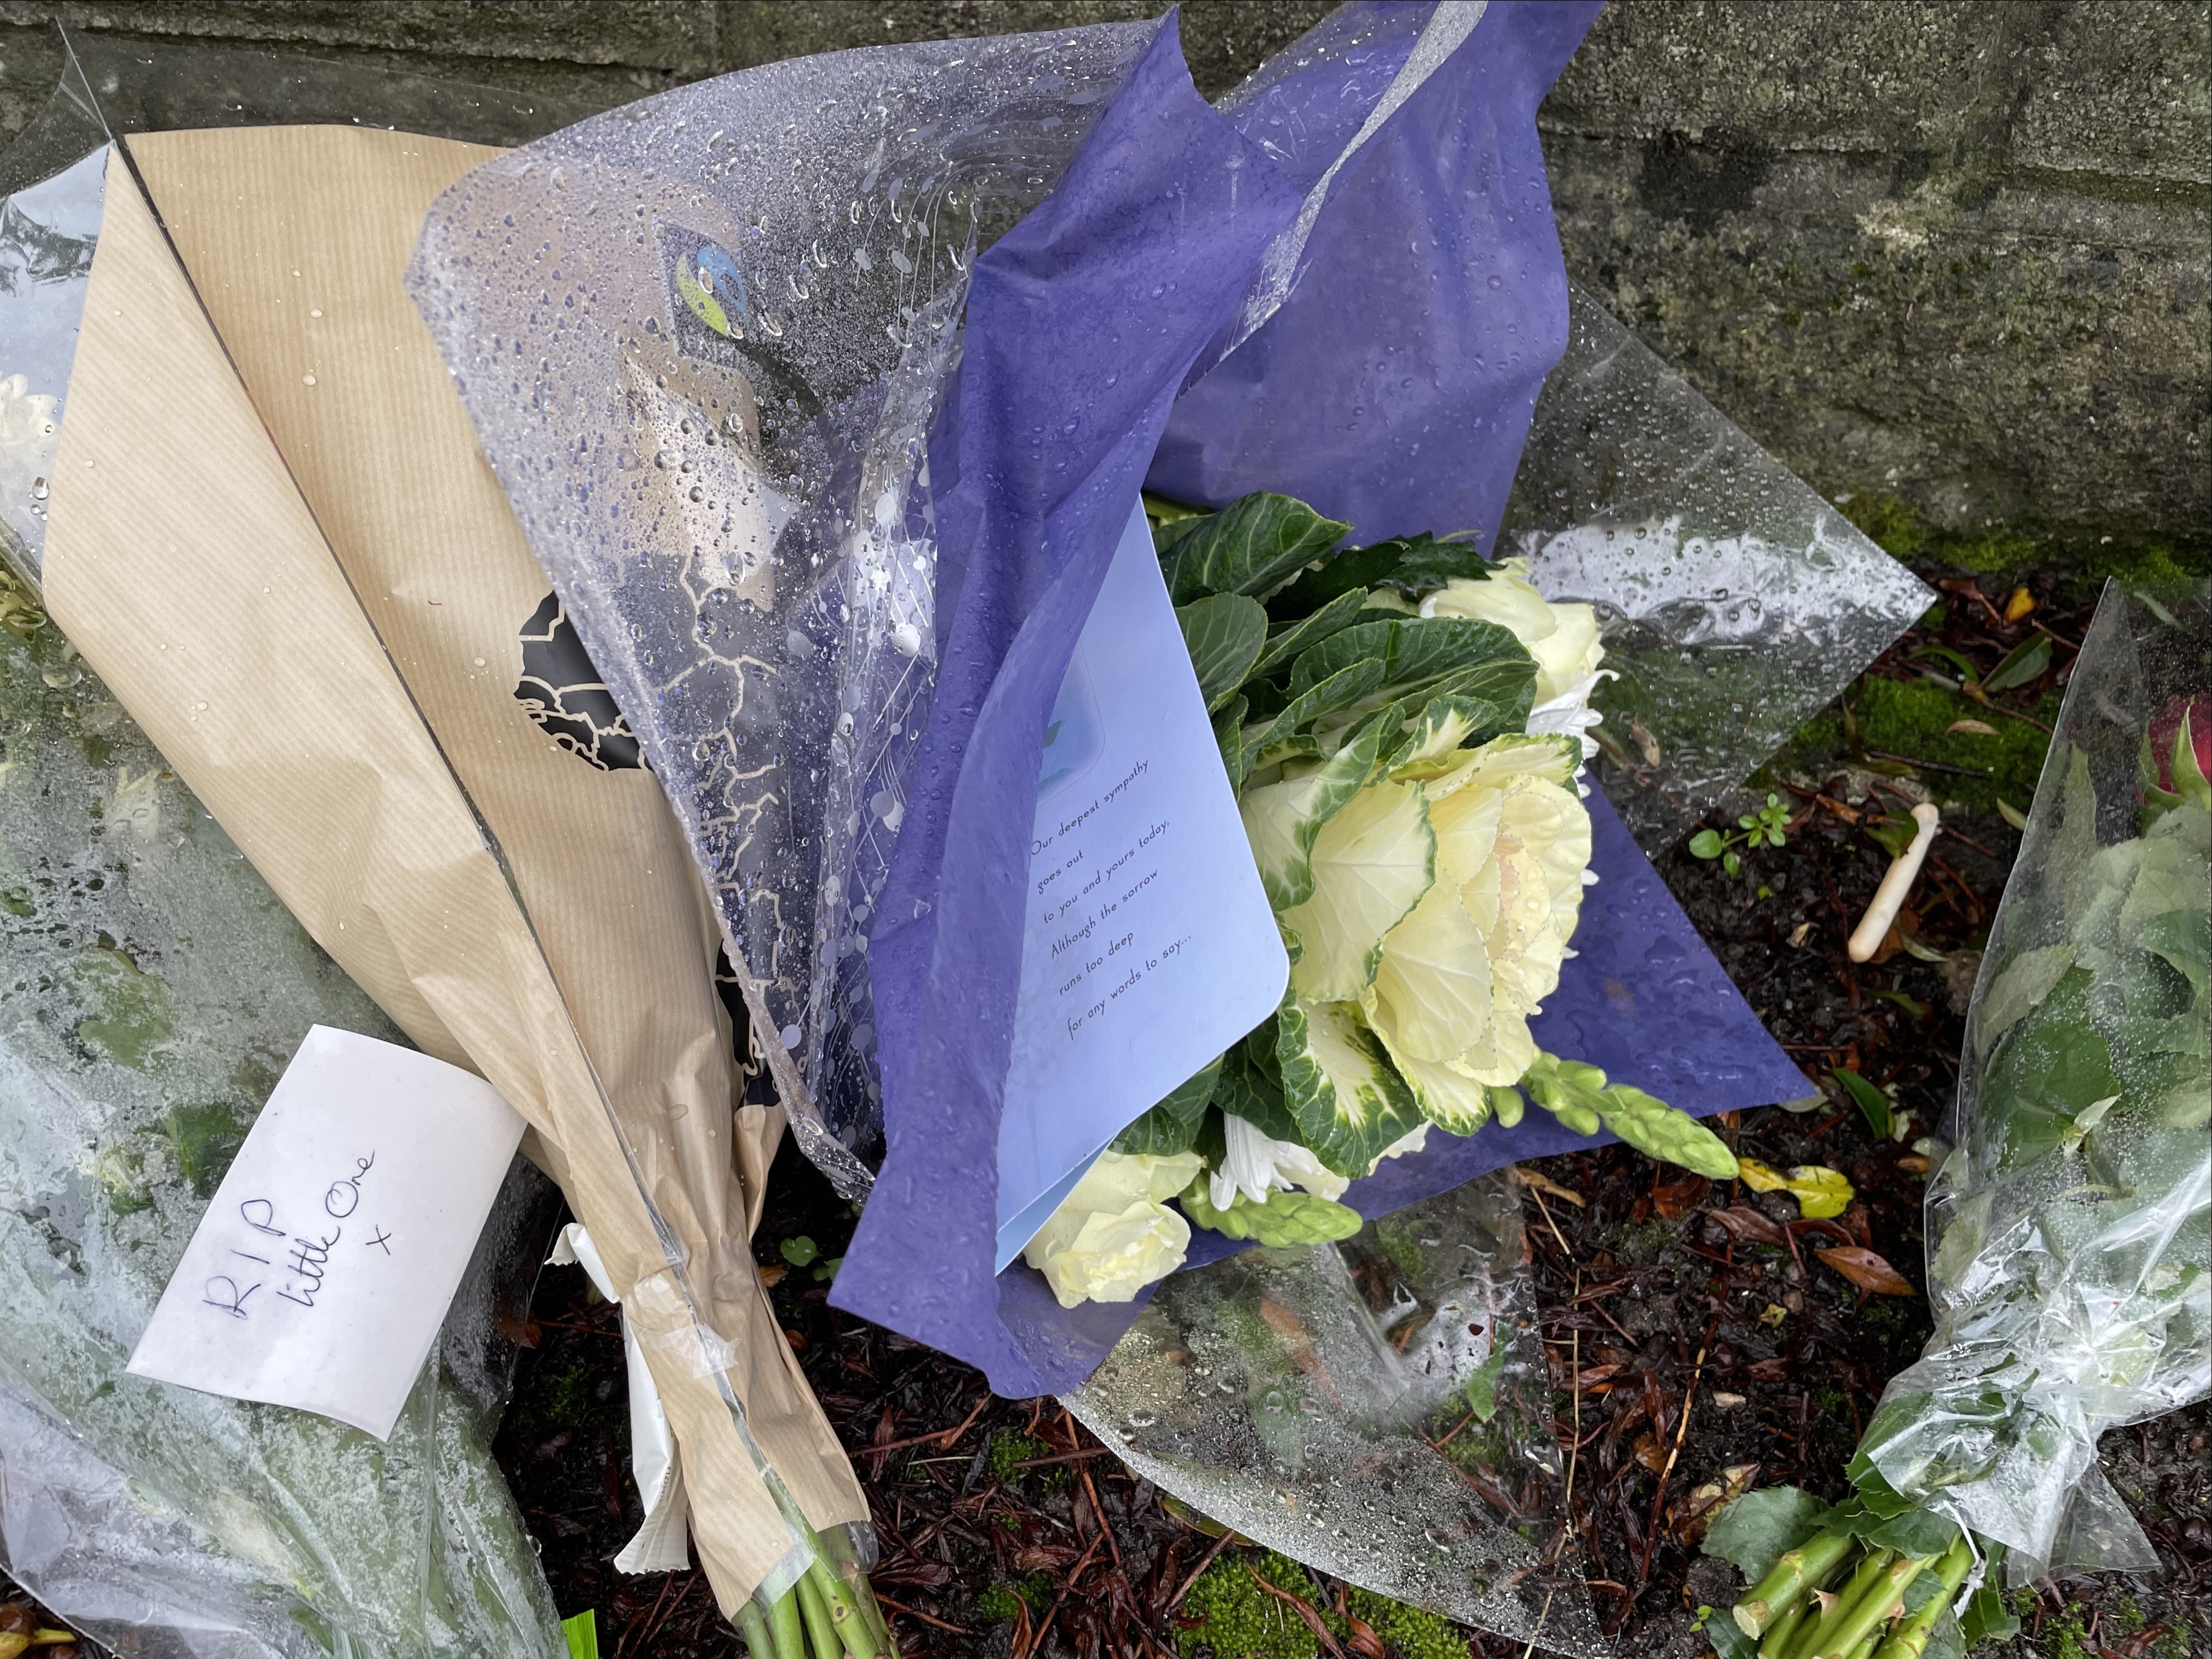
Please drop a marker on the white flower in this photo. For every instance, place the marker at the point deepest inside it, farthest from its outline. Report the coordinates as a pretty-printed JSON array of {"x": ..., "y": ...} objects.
[
  {"x": 1562, "y": 638},
  {"x": 1256, "y": 1164},
  {"x": 1114, "y": 1235}
]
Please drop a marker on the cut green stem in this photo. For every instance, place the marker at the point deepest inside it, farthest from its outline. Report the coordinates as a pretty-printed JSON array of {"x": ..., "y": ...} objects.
[
  {"x": 1910, "y": 1640},
  {"x": 788, "y": 1626},
  {"x": 1777, "y": 1641},
  {"x": 1881, "y": 1598},
  {"x": 1796, "y": 1573},
  {"x": 754, "y": 1626},
  {"x": 1820, "y": 1637},
  {"x": 819, "y": 1630}
]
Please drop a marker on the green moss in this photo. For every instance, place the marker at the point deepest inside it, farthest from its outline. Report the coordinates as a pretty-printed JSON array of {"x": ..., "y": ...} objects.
[
  {"x": 1913, "y": 719},
  {"x": 1906, "y": 534},
  {"x": 1413, "y": 1632},
  {"x": 1009, "y": 1448},
  {"x": 1233, "y": 1616},
  {"x": 1227, "y": 1612},
  {"x": 205, "y": 1138},
  {"x": 1003, "y": 1601}
]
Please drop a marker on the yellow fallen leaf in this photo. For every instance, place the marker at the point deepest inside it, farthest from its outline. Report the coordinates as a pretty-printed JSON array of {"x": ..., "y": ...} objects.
[
  {"x": 1979, "y": 728},
  {"x": 2020, "y": 605},
  {"x": 1775, "y": 1314},
  {"x": 1820, "y": 1192},
  {"x": 1760, "y": 1179}
]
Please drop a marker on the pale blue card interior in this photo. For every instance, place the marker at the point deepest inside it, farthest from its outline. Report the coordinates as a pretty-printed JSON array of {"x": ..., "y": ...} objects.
[{"x": 1149, "y": 946}]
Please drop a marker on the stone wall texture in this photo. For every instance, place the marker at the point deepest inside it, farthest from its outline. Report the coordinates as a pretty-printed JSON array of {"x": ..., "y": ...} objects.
[{"x": 1949, "y": 259}]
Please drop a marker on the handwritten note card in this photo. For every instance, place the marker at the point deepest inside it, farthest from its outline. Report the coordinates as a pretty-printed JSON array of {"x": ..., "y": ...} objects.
[
  {"x": 319, "y": 1277},
  {"x": 1150, "y": 946}
]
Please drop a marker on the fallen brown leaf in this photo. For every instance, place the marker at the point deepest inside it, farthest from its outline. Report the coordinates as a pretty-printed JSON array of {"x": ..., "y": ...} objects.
[
  {"x": 1746, "y": 1223},
  {"x": 1674, "y": 1200},
  {"x": 1866, "y": 1270},
  {"x": 1544, "y": 1183},
  {"x": 1695, "y": 1513},
  {"x": 1649, "y": 1452}
]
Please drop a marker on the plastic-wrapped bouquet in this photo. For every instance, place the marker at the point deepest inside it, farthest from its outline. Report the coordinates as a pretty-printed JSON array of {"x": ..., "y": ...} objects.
[
  {"x": 2070, "y": 1228},
  {"x": 1404, "y": 724}
]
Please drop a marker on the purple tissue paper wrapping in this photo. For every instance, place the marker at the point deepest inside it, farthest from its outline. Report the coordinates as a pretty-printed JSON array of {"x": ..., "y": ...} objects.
[{"x": 1392, "y": 390}]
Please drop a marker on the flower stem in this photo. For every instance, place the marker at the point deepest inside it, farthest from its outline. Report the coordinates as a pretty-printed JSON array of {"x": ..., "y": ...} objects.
[
  {"x": 819, "y": 1630},
  {"x": 755, "y": 1628},
  {"x": 1820, "y": 1639},
  {"x": 1796, "y": 1573},
  {"x": 788, "y": 1626},
  {"x": 1910, "y": 1640}
]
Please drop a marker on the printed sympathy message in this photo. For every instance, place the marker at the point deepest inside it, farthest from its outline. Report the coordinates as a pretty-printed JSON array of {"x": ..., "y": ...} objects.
[{"x": 1092, "y": 902}]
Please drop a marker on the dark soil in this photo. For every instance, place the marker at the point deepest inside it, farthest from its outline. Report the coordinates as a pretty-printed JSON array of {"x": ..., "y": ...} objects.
[{"x": 1665, "y": 1296}]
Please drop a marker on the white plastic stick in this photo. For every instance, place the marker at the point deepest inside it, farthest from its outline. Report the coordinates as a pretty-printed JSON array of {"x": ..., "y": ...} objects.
[{"x": 1889, "y": 898}]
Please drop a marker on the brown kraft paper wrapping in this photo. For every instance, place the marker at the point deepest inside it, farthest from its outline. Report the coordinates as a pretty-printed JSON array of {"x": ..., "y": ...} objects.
[{"x": 196, "y": 574}]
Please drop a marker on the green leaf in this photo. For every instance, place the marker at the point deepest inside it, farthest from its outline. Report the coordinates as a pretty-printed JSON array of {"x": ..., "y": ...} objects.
[
  {"x": 1225, "y": 635},
  {"x": 2021, "y": 984},
  {"x": 1443, "y": 728},
  {"x": 1707, "y": 844},
  {"x": 1916, "y": 1532},
  {"x": 1370, "y": 864},
  {"x": 1228, "y": 732},
  {"x": 1284, "y": 643},
  {"x": 1414, "y": 565},
  {"x": 1989, "y": 1616},
  {"x": 1893, "y": 835},
  {"x": 1172, "y": 1125},
  {"x": 1252, "y": 547},
  {"x": 1871, "y": 1100},
  {"x": 1761, "y": 1527},
  {"x": 1443, "y": 656},
  {"x": 1247, "y": 1090},
  {"x": 1348, "y": 1102},
  {"x": 2026, "y": 663},
  {"x": 1282, "y": 820},
  {"x": 798, "y": 1251},
  {"x": 1352, "y": 685},
  {"x": 582, "y": 1629},
  {"x": 2011, "y": 814},
  {"x": 1958, "y": 660},
  {"x": 1287, "y": 1218}
]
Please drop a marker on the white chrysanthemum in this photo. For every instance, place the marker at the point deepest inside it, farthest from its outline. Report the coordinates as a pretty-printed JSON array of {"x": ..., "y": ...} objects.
[
  {"x": 1256, "y": 1164},
  {"x": 1113, "y": 1234}
]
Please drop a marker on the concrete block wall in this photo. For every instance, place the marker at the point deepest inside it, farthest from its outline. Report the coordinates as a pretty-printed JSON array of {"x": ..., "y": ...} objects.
[{"x": 1948, "y": 257}]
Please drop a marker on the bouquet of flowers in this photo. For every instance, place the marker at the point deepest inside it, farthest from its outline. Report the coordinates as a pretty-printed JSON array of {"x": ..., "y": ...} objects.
[
  {"x": 1404, "y": 724},
  {"x": 2070, "y": 1227}
]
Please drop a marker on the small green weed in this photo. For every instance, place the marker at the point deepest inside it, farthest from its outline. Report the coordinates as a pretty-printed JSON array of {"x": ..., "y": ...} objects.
[{"x": 1767, "y": 827}]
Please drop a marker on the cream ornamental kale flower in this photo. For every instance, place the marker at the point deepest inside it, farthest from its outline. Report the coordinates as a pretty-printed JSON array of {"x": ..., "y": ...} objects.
[
  {"x": 1114, "y": 1235},
  {"x": 1562, "y": 638},
  {"x": 1458, "y": 979}
]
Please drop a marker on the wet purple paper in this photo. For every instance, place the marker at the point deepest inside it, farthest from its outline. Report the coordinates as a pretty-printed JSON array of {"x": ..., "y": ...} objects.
[
  {"x": 1395, "y": 388},
  {"x": 1081, "y": 324}
]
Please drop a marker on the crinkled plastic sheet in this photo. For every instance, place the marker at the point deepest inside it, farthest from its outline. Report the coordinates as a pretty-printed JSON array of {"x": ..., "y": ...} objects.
[
  {"x": 2070, "y": 1228},
  {"x": 1379, "y": 1410},
  {"x": 151, "y": 991},
  {"x": 1735, "y": 602},
  {"x": 764, "y": 609}
]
